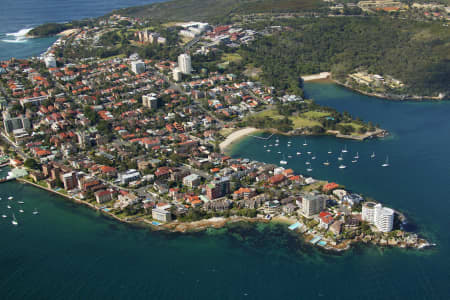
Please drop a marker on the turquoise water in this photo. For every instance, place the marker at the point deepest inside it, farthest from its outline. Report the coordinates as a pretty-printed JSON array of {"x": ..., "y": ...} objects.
[
  {"x": 16, "y": 16},
  {"x": 71, "y": 252}
]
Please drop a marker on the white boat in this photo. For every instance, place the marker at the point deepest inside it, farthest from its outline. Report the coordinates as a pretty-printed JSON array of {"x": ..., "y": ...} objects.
[
  {"x": 288, "y": 145},
  {"x": 386, "y": 163},
  {"x": 345, "y": 149},
  {"x": 21, "y": 210},
  {"x": 35, "y": 212},
  {"x": 313, "y": 157},
  {"x": 4, "y": 216},
  {"x": 10, "y": 197},
  {"x": 276, "y": 145},
  {"x": 342, "y": 166},
  {"x": 340, "y": 157},
  {"x": 283, "y": 162},
  {"x": 307, "y": 163},
  {"x": 356, "y": 156},
  {"x": 265, "y": 146},
  {"x": 289, "y": 156},
  {"x": 14, "y": 221},
  {"x": 327, "y": 163},
  {"x": 299, "y": 153},
  {"x": 329, "y": 152},
  {"x": 7, "y": 206},
  {"x": 309, "y": 169},
  {"x": 309, "y": 152},
  {"x": 354, "y": 161},
  {"x": 277, "y": 141},
  {"x": 268, "y": 150},
  {"x": 279, "y": 152},
  {"x": 373, "y": 155},
  {"x": 20, "y": 202},
  {"x": 305, "y": 143}
]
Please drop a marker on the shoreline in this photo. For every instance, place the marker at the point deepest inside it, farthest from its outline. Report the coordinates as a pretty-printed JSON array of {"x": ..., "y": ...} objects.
[
  {"x": 389, "y": 96},
  {"x": 236, "y": 136},
  {"x": 220, "y": 222}
]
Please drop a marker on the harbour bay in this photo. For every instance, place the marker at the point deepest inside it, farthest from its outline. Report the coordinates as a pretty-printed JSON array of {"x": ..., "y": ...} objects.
[{"x": 88, "y": 255}]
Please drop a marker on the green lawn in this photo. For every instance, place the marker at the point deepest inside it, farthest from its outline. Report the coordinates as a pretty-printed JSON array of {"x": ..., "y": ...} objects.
[
  {"x": 298, "y": 121},
  {"x": 231, "y": 57},
  {"x": 315, "y": 115}
]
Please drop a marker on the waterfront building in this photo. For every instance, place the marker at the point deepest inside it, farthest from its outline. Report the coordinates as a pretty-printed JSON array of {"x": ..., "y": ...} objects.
[
  {"x": 218, "y": 188},
  {"x": 376, "y": 214},
  {"x": 368, "y": 212},
  {"x": 184, "y": 63},
  {"x": 384, "y": 218},
  {"x": 138, "y": 67},
  {"x": 69, "y": 180},
  {"x": 103, "y": 196},
  {"x": 161, "y": 215},
  {"x": 313, "y": 204}
]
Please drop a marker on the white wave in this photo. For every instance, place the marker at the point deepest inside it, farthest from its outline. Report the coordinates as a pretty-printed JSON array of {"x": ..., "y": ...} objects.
[
  {"x": 22, "y": 40},
  {"x": 20, "y": 33}
]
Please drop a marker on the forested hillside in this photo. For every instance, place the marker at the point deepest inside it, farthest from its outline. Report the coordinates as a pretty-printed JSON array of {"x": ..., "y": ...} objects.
[{"x": 416, "y": 53}]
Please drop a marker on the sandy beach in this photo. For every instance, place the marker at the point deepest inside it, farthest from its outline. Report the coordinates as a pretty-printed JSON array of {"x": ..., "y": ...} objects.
[
  {"x": 236, "y": 136},
  {"x": 323, "y": 75}
]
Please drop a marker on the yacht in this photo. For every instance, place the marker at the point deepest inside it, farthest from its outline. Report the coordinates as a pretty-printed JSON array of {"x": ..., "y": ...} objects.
[
  {"x": 313, "y": 157},
  {"x": 21, "y": 211},
  {"x": 329, "y": 152},
  {"x": 356, "y": 156},
  {"x": 10, "y": 197},
  {"x": 305, "y": 143},
  {"x": 279, "y": 152},
  {"x": 289, "y": 156},
  {"x": 283, "y": 162},
  {"x": 309, "y": 152},
  {"x": 14, "y": 221},
  {"x": 327, "y": 163},
  {"x": 345, "y": 149},
  {"x": 268, "y": 150},
  {"x": 277, "y": 141},
  {"x": 35, "y": 212},
  {"x": 4, "y": 216},
  {"x": 340, "y": 157},
  {"x": 354, "y": 161},
  {"x": 298, "y": 153},
  {"x": 8, "y": 206},
  {"x": 342, "y": 166},
  {"x": 307, "y": 163},
  {"x": 20, "y": 202},
  {"x": 276, "y": 145},
  {"x": 373, "y": 155},
  {"x": 386, "y": 163},
  {"x": 309, "y": 169},
  {"x": 265, "y": 146}
]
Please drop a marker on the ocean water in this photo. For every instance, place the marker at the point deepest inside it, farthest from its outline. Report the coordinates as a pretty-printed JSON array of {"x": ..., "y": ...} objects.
[
  {"x": 17, "y": 17},
  {"x": 72, "y": 252}
]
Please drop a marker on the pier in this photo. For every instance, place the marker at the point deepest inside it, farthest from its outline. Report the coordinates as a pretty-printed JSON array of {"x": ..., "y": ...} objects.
[{"x": 260, "y": 137}]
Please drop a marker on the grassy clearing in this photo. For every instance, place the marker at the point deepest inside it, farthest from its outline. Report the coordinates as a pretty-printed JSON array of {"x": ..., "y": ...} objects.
[
  {"x": 226, "y": 131},
  {"x": 231, "y": 57},
  {"x": 315, "y": 115},
  {"x": 298, "y": 121}
]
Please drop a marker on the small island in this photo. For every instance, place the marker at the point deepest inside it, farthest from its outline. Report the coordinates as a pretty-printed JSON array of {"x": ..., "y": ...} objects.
[{"x": 133, "y": 117}]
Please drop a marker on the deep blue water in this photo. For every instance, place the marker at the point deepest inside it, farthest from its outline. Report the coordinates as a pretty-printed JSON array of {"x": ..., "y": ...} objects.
[
  {"x": 18, "y": 15},
  {"x": 71, "y": 252}
]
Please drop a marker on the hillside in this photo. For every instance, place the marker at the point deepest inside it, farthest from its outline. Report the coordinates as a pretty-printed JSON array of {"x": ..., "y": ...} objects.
[{"x": 185, "y": 10}]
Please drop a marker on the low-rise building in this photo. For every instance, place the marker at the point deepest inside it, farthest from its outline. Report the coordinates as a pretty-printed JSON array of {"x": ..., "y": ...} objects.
[{"x": 161, "y": 215}]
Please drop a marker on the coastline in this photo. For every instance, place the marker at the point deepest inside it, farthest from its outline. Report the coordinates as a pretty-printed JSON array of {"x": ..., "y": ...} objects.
[
  {"x": 389, "y": 96},
  {"x": 236, "y": 136},
  {"x": 220, "y": 222}
]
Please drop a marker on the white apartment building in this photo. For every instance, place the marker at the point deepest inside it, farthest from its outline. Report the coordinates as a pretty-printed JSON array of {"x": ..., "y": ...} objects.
[
  {"x": 376, "y": 214},
  {"x": 138, "y": 67},
  {"x": 184, "y": 63}
]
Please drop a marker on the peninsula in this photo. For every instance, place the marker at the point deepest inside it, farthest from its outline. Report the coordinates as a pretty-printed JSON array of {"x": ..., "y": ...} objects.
[{"x": 132, "y": 116}]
